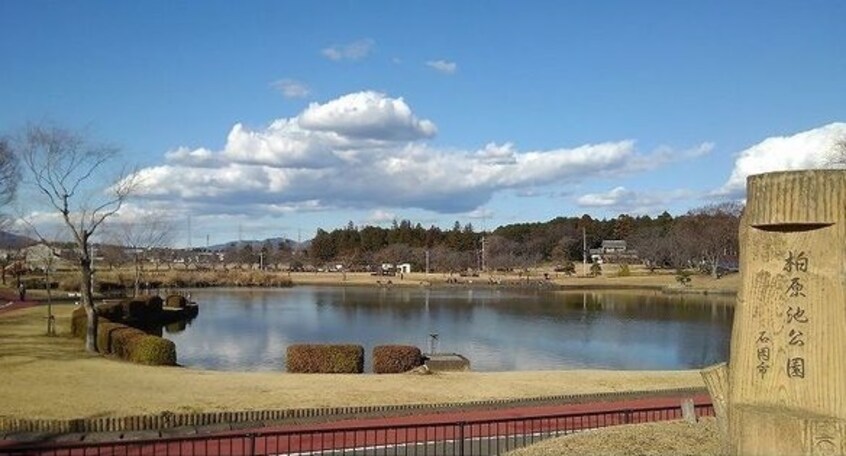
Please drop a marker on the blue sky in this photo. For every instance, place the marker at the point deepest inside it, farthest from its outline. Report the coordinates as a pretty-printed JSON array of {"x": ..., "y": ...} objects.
[{"x": 279, "y": 117}]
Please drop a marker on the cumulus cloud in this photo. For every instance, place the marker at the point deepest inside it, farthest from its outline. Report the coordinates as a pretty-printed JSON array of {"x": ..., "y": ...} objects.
[
  {"x": 366, "y": 151},
  {"x": 635, "y": 202},
  {"x": 806, "y": 150},
  {"x": 614, "y": 197},
  {"x": 443, "y": 66},
  {"x": 367, "y": 115},
  {"x": 380, "y": 217},
  {"x": 192, "y": 157},
  {"x": 356, "y": 50},
  {"x": 498, "y": 154},
  {"x": 291, "y": 88}
]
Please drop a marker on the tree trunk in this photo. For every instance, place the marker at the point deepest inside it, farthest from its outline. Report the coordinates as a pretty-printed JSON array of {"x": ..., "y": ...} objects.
[
  {"x": 88, "y": 302},
  {"x": 137, "y": 291}
]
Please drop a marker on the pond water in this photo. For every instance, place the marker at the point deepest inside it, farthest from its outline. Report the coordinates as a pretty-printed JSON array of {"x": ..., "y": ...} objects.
[{"x": 497, "y": 329}]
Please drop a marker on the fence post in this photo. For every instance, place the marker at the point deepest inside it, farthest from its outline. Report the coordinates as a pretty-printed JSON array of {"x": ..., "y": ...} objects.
[
  {"x": 461, "y": 438},
  {"x": 251, "y": 441},
  {"x": 688, "y": 411}
]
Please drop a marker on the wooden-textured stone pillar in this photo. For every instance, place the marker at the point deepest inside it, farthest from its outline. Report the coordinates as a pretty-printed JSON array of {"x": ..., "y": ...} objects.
[{"x": 787, "y": 375}]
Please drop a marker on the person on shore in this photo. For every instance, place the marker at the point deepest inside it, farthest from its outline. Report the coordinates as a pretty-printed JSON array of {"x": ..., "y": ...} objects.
[{"x": 22, "y": 291}]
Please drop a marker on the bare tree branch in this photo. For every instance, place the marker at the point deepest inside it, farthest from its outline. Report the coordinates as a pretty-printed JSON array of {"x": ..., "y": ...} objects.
[{"x": 65, "y": 167}]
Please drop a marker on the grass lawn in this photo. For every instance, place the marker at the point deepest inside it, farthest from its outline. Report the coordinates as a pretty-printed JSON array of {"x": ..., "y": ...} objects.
[
  {"x": 53, "y": 377},
  {"x": 676, "y": 438}
]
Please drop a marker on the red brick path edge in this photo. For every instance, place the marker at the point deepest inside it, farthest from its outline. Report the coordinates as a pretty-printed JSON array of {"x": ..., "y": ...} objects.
[
  {"x": 255, "y": 419},
  {"x": 226, "y": 441},
  {"x": 472, "y": 416}
]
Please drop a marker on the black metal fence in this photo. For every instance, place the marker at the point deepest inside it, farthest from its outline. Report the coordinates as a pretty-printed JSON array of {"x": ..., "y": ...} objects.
[{"x": 465, "y": 438}]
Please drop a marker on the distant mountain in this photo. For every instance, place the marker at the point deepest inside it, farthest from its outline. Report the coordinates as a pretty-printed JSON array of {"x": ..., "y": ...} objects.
[
  {"x": 256, "y": 244},
  {"x": 14, "y": 241}
]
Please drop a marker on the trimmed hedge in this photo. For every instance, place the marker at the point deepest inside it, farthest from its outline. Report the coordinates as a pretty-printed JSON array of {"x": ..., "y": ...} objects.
[
  {"x": 79, "y": 322},
  {"x": 152, "y": 350},
  {"x": 176, "y": 301},
  {"x": 111, "y": 310},
  {"x": 142, "y": 308},
  {"x": 124, "y": 341},
  {"x": 396, "y": 359},
  {"x": 325, "y": 359}
]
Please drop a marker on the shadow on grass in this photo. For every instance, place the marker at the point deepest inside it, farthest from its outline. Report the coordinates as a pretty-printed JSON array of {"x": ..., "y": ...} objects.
[{"x": 23, "y": 337}]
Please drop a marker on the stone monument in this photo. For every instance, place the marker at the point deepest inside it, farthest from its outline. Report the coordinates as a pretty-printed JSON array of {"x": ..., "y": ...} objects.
[{"x": 785, "y": 389}]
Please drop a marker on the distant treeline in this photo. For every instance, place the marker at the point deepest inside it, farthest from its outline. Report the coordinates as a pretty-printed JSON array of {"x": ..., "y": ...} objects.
[{"x": 705, "y": 237}]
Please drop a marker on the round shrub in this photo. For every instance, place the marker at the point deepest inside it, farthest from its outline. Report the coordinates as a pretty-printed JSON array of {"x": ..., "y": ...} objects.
[
  {"x": 396, "y": 359},
  {"x": 111, "y": 311},
  {"x": 176, "y": 301},
  {"x": 79, "y": 322},
  {"x": 142, "y": 308},
  {"x": 105, "y": 330},
  {"x": 152, "y": 350},
  {"x": 325, "y": 359}
]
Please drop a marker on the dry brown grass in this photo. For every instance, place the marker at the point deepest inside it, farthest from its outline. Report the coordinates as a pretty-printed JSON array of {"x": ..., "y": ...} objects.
[
  {"x": 53, "y": 377},
  {"x": 639, "y": 278},
  {"x": 676, "y": 438}
]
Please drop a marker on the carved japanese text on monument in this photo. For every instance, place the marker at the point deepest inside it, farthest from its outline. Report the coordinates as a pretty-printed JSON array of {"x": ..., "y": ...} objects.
[
  {"x": 763, "y": 348},
  {"x": 795, "y": 315}
]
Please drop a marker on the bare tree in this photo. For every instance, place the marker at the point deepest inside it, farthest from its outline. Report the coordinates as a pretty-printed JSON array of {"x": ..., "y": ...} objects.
[
  {"x": 709, "y": 235},
  {"x": 154, "y": 232},
  {"x": 9, "y": 177},
  {"x": 67, "y": 170}
]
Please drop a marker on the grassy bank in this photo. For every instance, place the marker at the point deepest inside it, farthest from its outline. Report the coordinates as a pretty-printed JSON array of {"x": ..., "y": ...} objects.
[
  {"x": 53, "y": 377},
  {"x": 675, "y": 438},
  {"x": 610, "y": 280}
]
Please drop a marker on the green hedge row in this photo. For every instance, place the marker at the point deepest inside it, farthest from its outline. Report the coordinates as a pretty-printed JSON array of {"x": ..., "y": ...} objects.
[
  {"x": 396, "y": 359},
  {"x": 325, "y": 359},
  {"x": 124, "y": 341}
]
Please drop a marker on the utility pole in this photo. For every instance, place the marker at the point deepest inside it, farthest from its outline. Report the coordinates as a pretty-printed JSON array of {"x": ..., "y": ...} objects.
[
  {"x": 584, "y": 252},
  {"x": 484, "y": 266},
  {"x": 427, "y": 261}
]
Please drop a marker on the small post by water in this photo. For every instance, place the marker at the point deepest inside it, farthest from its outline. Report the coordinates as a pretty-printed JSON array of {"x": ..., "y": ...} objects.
[{"x": 433, "y": 343}]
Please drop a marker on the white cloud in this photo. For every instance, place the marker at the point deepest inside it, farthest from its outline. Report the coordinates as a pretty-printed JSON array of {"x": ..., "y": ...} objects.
[
  {"x": 291, "y": 88},
  {"x": 365, "y": 151},
  {"x": 615, "y": 197},
  {"x": 806, "y": 150},
  {"x": 498, "y": 154},
  {"x": 443, "y": 66},
  {"x": 356, "y": 50},
  {"x": 367, "y": 115},
  {"x": 380, "y": 217},
  {"x": 191, "y": 157},
  {"x": 634, "y": 202},
  {"x": 480, "y": 213}
]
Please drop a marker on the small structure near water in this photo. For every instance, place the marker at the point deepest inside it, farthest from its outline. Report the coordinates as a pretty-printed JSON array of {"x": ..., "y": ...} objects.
[{"x": 442, "y": 362}]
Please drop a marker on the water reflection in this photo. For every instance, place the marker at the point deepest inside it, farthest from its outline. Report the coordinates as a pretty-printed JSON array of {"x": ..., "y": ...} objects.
[{"x": 498, "y": 329}]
